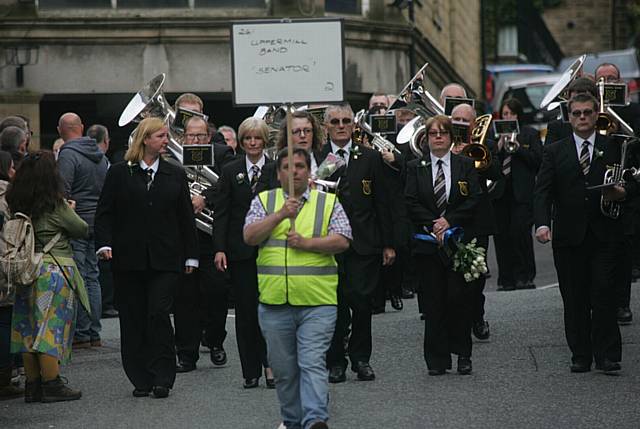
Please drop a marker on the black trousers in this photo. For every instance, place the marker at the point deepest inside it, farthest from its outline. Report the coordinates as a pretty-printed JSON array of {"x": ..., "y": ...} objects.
[
  {"x": 514, "y": 242},
  {"x": 357, "y": 280},
  {"x": 200, "y": 303},
  {"x": 624, "y": 261},
  {"x": 390, "y": 281},
  {"x": 144, "y": 300},
  {"x": 586, "y": 274},
  {"x": 478, "y": 298},
  {"x": 447, "y": 302},
  {"x": 106, "y": 285},
  {"x": 251, "y": 344}
]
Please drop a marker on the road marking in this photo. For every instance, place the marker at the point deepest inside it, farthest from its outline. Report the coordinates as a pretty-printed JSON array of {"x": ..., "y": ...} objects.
[{"x": 548, "y": 286}]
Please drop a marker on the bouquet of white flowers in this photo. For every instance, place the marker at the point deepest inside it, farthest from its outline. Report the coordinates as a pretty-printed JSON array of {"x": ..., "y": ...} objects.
[
  {"x": 470, "y": 261},
  {"x": 329, "y": 166}
]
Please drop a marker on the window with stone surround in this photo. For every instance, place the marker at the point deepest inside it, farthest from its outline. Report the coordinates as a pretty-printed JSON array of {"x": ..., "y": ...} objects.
[{"x": 343, "y": 6}]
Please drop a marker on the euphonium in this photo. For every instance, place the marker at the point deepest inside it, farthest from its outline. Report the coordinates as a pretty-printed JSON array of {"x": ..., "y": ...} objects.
[
  {"x": 477, "y": 149},
  {"x": 150, "y": 102}
]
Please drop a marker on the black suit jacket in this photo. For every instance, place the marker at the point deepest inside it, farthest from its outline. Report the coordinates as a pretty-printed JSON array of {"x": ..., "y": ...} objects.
[
  {"x": 557, "y": 130},
  {"x": 364, "y": 195},
  {"x": 562, "y": 185},
  {"x": 152, "y": 229},
  {"x": 525, "y": 163},
  {"x": 421, "y": 201},
  {"x": 230, "y": 205}
]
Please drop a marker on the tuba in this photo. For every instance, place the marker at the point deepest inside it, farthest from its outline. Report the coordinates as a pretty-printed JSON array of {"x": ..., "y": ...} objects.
[
  {"x": 150, "y": 102},
  {"x": 477, "y": 149}
]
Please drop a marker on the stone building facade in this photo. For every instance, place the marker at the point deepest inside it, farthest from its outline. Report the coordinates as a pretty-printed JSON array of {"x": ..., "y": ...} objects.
[{"x": 91, "y": 56}]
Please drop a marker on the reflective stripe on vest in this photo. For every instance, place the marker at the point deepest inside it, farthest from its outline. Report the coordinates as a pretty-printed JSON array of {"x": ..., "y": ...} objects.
[{"x": 292, "y": 276}]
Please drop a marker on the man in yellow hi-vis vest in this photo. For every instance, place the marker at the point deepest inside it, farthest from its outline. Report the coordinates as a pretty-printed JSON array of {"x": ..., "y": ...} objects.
[{"x": 297, "y": 280}]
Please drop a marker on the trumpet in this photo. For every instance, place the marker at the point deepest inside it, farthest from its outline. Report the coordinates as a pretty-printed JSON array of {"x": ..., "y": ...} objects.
[
  {"x": 477, "y": 149},
  {"x": 604, "y": 123},
  {"x": 326, "y": 184},
  {"x": 511, "y": 145}
]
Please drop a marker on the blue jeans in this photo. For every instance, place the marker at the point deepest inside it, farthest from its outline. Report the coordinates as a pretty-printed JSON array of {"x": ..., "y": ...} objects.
[
  {"x": 297, "y": 342},
  {"x": 88, "y": 326}
]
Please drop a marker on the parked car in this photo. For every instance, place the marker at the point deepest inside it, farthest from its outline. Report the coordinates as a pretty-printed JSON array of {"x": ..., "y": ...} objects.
[
  {"x": 625, "y": 59},
  {"x": 497, "y": 74},
  {"x": 530, "y": 92}
]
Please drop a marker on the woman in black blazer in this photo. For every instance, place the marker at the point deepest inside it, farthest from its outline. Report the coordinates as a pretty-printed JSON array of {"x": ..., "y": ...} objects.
[
  {"x": 234, "y": 192},
  {"x": 145, "y": 225},
  {"x": 442, "y": 192}
]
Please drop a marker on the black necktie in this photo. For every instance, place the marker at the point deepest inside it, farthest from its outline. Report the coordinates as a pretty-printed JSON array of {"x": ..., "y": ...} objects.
[
  {"x": 440, "y": 189},
  {"x": 255, "y": 175},
  {"x": 585, "y": 159},
  {"x": 148, "y": 177},
  {"x": 342, "y": 154}
]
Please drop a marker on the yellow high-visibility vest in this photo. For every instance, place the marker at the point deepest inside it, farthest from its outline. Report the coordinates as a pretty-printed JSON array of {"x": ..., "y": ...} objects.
[{"x": 291, "y": 276}]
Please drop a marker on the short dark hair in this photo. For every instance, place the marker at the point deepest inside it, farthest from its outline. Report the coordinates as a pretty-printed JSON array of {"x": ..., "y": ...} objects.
[
  {"x": 98, "y": 132},
  {"x": 37, "y": 186},
  {"x": 514, "y": 105},
  {"x": 14, "y": 121},
  {"x": 583, "y": 98},
  {"x": 10, "y": 139},
  {"x": 284, "y": 152},
  {"x": 583, "y": 84}
]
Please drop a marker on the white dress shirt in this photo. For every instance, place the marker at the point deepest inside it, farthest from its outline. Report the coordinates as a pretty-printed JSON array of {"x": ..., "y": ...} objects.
[
  {"x": 580, "y": 140},
  {"x": 446, "y": 168},
  {"x": 250, "y": 164},
  {"x": 347, "y": 148}
]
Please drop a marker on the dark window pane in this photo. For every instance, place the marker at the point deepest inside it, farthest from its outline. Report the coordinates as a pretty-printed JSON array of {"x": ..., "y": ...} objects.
[
  {"x": 228, "y": 3},
  {"x": 152, "y": 3},
  {"x": 58, "y": 4},
  {"x": 341, "y": 6}
]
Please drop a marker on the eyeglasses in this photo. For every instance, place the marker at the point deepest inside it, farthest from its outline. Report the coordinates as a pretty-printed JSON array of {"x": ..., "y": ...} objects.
[
  {"x": 200, "y": 137},
  {"x": 438, "y": 133},
  {"x": 302, "y": 131},
  {"x": 336, "y": 121},
  {"x": 578, "y": 113}
]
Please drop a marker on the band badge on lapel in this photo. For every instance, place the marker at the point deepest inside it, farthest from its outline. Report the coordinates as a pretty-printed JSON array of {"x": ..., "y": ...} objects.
[
  {"x": 366, "y": 186},
  {"x": 463, "y": 186}
]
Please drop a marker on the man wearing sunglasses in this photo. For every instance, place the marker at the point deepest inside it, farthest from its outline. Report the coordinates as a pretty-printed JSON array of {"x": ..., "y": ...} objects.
[
  {"x": 584, "y": 240},
  {"x": 364, "y": 194},
  {"x": 206, "y": 288}
]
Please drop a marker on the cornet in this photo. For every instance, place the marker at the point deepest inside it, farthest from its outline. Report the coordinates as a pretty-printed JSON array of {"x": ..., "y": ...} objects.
[
  {"x": 511, "y": 144},
  {"x": 477, "y": 149}
]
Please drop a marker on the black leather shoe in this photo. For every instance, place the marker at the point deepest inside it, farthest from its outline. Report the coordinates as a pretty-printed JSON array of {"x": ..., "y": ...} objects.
[
  {"x": 160, "y": 392},
  {"x": 437, "y": 372},
  {"x": 504, "y": 288},
  {"x": 464, "y": 365},
  {"x": 250, "y": 383},
  {"x": 319, "y": 425},
  {"x": 524, "y": 285},
  {"x": 396, "y": 302},
  {"x": 407, "y": 294},
  {"x": 141, "y": 393},
  {"x": 608, "y": 367},
  {"x": 624, "y": 316},
  {"x": 218, "y": 356},
  {"x": 185, "y": 367},
  {"x": 364, "y": 371},
  {"x": 337, "y": 374},
  {"x": 481, "y": 330},
  {"x": 580, "y": 367}
]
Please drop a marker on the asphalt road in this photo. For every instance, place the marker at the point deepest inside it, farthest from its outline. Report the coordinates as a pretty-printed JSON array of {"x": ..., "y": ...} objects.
[{"x": 521, "y": 379}]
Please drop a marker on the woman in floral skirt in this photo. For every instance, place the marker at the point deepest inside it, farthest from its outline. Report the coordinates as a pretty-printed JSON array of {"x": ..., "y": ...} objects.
[{"x": 44, "y": 313}]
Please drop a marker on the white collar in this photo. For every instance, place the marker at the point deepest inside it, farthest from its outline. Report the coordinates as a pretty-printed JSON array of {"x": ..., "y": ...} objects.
[
  {"x": 347, "y": 148},
  {"x": 446, "y": 159},
  {"x": 250, "y": 164},
  {"x": 579, "y": 140},
  {"x": 153, "y": 166}
]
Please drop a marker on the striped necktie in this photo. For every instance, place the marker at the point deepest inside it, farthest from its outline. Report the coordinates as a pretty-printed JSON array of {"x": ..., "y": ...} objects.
[
  {"x": 506, "y": 166},
  {"x": 148, "y": 177},
  {"x": 585, "y": 159},
  {"x": 440, "y": 190},
  {"x": 255, "y": 175}
]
